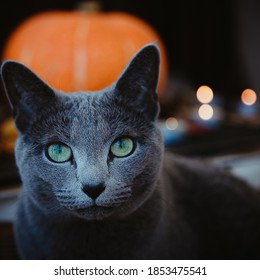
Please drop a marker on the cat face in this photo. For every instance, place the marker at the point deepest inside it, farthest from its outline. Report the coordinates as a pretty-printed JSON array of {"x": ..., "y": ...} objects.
[{"x": 94, "y": 155}]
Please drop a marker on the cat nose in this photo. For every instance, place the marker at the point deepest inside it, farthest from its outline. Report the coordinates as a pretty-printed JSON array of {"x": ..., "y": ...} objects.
[{"x": 93, "y": 191}]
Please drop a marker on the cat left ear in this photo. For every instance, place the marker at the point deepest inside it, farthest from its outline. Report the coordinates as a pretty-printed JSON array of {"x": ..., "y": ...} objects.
[
  {"x": 138, "y": 83},
  {"x": 26, "y": 92}
]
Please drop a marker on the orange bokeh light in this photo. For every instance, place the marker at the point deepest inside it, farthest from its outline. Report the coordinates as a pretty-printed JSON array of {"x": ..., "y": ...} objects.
[
  {"x": 248, "y": 97},
  {"x": 204, "y": 94}
]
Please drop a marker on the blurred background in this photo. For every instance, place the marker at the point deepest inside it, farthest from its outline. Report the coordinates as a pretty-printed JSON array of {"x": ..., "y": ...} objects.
[{"x": 210, "y": 101}]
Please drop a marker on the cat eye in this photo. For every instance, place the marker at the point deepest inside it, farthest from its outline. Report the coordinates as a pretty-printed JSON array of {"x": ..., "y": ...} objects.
[
  {"x": 122, "y": 147},
  {"x": 59, "y": 152}
]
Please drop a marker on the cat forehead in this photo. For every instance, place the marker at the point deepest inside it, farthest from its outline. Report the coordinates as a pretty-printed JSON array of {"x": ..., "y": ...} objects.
[
  {"x": 80, "y": 109},
  {"x": 86, "y": 113},
  {"x": 97, "y": 106},
  {"x": 83, "y": 103}
]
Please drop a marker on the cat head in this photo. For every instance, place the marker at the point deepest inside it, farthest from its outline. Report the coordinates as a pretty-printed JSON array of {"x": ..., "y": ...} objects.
[{"x": 90, "y": 154}]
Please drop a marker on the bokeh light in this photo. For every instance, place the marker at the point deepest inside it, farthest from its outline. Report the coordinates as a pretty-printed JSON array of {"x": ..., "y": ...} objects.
[
  {"x": 248, "y": 97},
  {"x": 204, "y": 94},
  {"x": 206, "y": 112},
  {"x": 171, "y": 123}
]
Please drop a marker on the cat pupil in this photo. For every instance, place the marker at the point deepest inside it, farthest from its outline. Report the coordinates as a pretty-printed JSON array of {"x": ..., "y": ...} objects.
[
  {"x": 58, "y": 149},
  {"x": 120, "y": 144}
]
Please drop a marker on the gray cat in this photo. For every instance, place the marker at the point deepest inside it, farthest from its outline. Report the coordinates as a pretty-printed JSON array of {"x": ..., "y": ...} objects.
[{"x": 97, "y": 183}]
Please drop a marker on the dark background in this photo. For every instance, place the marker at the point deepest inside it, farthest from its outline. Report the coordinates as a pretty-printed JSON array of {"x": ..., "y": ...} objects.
[{"x": 208, "y": 42}]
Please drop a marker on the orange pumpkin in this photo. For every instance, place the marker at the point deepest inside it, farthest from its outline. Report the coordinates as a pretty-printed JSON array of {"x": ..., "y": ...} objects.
[{"x": 73, "y": 50}]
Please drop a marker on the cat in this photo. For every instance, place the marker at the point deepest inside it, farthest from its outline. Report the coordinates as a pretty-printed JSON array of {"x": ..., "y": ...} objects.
[{"x": 98, "y": 182}]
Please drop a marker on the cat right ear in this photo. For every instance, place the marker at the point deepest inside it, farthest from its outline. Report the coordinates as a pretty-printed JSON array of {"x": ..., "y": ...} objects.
[
  {"x": 138, "y": 83},
  {"x": 26, "y": 92}
]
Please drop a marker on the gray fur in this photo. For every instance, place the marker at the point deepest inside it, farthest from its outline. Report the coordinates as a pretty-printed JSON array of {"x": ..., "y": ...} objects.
[{"x": 154, "y": 205}]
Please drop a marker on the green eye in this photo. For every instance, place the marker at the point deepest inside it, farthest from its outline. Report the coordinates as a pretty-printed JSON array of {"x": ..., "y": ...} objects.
[
  {"x": 59, "y": 152},
  {"x": 122, "y": 147}
]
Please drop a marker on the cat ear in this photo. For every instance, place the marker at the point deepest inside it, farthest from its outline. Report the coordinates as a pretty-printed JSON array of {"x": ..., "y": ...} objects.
[
  {"x": 26, "y": 92},
  {"x": 138, "y": 83}
]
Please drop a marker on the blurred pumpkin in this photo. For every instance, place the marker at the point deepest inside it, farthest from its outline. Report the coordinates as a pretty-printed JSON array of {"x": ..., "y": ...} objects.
[
  {"x": 75, "y": 50},
  {"x": 8, "y": 135}
]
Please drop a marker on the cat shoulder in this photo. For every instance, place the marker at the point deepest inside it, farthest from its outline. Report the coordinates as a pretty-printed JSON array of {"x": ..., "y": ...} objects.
[{"x": 200, "y": 173}]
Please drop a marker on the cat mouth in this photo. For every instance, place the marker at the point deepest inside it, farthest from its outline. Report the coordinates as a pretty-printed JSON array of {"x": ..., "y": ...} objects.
[{"x": 95, "y": 212}]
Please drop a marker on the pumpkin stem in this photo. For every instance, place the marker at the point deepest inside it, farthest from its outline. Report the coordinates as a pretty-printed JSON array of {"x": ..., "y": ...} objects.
[{"x": 89, "y": 7}]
